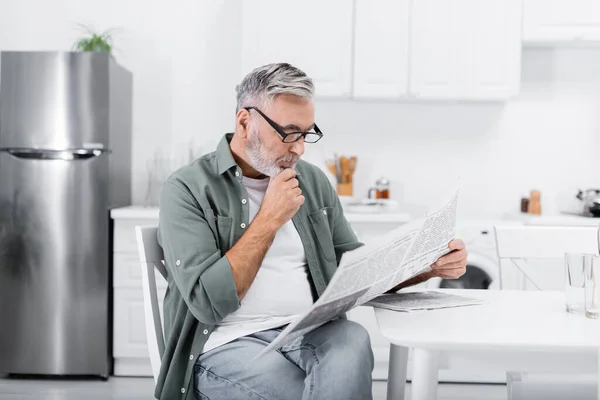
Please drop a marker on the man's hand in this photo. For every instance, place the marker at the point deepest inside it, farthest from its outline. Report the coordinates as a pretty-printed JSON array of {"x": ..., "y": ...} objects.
[
  {"x": 453, "y": 265},
  {"x": 282, "y": 199}
]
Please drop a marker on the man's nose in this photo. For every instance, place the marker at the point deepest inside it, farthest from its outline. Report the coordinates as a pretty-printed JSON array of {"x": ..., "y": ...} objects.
[{"x": 298, "y": 147}]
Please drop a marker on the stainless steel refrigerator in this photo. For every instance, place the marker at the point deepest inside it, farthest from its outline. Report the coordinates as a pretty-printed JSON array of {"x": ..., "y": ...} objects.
[{"x": 65, "y": 156}]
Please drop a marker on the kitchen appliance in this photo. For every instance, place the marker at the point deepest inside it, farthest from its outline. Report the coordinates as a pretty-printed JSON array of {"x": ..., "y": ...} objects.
[
  {"x": 591, "y": 202},
  {"x": 65, "y": 156},
  {"x": 381, "y": 190}
]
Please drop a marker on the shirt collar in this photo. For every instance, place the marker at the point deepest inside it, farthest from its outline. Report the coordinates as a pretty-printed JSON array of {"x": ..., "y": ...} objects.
[{"x": 225, "y": 160}]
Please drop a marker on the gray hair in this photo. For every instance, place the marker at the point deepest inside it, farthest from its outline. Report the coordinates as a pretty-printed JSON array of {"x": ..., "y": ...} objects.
[{"x": 270, "y": 80}]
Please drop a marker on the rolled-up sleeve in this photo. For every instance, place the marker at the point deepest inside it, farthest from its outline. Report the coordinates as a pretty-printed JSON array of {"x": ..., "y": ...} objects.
[{"x": 201, "y": 273}]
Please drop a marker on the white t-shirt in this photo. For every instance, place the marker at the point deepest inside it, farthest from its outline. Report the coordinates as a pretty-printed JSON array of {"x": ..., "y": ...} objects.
[{"x": 280, "y": 291}]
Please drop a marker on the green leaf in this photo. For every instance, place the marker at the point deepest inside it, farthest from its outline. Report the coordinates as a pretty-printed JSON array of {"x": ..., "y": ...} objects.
[{"x": 94, "y": 42}]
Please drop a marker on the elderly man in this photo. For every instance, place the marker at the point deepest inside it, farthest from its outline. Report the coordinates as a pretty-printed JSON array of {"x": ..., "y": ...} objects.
[{"x": 251, "y": 236}]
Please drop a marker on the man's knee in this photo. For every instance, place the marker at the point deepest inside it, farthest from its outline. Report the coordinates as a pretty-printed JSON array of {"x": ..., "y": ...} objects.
[{"x": 352, "y": 342}]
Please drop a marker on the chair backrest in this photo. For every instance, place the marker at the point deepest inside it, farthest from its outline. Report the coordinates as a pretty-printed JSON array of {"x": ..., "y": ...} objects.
[
  {"x": 515, "y": 243},
  {"x": 151, "y": 258}
]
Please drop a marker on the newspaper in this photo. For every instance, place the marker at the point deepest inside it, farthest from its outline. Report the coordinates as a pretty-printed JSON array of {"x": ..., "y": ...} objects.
[
  {"x": 377, "y": 267},
  {"x": 416, "y": 301}
]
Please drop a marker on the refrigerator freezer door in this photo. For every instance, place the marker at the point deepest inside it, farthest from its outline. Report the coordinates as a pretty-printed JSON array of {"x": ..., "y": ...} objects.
[
  {"x": 54, "y": 265},
  {"x": 54, "y": 100}
]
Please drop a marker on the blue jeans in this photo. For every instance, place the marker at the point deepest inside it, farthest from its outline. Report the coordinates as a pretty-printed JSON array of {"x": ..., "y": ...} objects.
[{"x": 334, "y": 361}]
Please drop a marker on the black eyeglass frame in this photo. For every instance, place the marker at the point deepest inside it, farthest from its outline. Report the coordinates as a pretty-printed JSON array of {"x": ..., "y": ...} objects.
[{"x": 279, "y": 129}]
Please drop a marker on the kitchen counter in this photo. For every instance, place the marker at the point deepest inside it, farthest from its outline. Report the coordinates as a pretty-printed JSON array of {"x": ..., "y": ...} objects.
[
  {"x": 139, "y": 212},
  {"x": 553, "y": 219}
]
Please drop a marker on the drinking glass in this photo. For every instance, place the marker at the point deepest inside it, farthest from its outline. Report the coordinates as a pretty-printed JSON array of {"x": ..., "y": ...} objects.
[
  {"x": 592, "y": 288},
  {"x": 575, "y": 281}
]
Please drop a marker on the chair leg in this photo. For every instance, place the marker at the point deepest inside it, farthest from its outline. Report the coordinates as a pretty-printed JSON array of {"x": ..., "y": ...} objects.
[
  {"x": 425, "y": 374},
  {"x": 397, "y": 372},
  {"x": 598, "y": 377}
]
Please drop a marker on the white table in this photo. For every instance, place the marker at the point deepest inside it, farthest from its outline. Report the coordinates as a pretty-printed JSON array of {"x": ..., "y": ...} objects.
[{"x": 513, "y": 330}]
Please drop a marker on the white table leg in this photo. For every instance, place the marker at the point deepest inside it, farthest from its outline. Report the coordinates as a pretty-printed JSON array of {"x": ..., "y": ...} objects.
[
  {"x": 425, "y": 374},
  {"x": 396, "y": 382},
  {"x": 598, "y": 373}
]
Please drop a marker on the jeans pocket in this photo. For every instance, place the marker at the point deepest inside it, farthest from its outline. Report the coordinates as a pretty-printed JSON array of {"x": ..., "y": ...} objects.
[{"x": 198, "y": 371}]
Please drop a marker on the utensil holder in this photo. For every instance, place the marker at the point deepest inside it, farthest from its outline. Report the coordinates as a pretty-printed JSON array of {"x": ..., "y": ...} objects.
[{"x": 344, "y": 189}]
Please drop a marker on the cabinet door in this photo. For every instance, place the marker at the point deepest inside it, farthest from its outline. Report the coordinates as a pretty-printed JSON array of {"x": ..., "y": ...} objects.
[
  {"x": 495, "y": 49},
  {"x": 127, "y": 272},
  {"x": 129, "y": 328},
  {"x": 381, "y": 48},
  {"x": 314, "y": 35},
  {"x": 561, "y": 20},
  {"x": 465, "y": 49},
  {"x": 439, "y": 51}
]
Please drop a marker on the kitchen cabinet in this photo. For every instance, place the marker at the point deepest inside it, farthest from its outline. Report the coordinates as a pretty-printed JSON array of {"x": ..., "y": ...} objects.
[
  {"x": 392, "y": 49},
  {"x": 314, "y": 35},
  {"x": 130, "y": 348},
  {"x": 555, "y": 21},
  {"x": 465, "y": 49},
  {"x": 437, "y": 49},
  {"x": 381, "y": 49},
  {"x": 130, "y": 351}
]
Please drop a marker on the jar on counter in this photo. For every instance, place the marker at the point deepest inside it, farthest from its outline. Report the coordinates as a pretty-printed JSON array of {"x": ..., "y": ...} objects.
[{"x": 381, "y": 190}]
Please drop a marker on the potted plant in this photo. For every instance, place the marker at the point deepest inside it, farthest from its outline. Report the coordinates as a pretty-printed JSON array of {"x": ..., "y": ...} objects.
[{"x": 94, "y": 42}]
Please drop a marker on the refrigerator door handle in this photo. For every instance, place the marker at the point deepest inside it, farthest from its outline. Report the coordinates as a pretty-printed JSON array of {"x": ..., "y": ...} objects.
[{"x": 66, "y": 155}]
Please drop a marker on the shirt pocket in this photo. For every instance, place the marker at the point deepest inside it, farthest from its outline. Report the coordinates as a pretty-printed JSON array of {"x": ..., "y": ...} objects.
[
  {"x": 319, "y": 221},
  {"x": 224, "y": 233}
]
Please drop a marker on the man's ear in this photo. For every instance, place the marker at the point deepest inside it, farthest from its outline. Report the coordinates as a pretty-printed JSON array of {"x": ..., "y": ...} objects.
[{"x": 243, "y": 120}]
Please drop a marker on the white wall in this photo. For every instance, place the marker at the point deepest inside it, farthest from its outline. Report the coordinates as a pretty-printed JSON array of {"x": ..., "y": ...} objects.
[
  {"x": 185, "y": 59},
  {"x": 548, "y": 138},
  {"x": 184, "y": 55}
]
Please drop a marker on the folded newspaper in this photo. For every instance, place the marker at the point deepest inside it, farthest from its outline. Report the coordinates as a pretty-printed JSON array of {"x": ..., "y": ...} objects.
[
  {"x": 378, "y": 266},
  {"x": 416, "y": 301}
]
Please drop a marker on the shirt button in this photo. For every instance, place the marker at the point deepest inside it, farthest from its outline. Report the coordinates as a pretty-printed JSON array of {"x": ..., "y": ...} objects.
[
  {"x": 243, "y": 225},
  {"x": 182, "y": 390},
  {"x": 191, "y": 356},
  {"x": 237, "y": 173},
  {"x": 205, "y": 332},
  {"x": 177, "y": 262},
  {"x": 244, "y": 201},
  {"x": 324, "y": 212}
]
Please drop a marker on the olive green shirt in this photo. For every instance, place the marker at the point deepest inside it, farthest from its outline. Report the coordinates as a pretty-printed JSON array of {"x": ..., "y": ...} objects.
[{"x": 203, "y": 212}]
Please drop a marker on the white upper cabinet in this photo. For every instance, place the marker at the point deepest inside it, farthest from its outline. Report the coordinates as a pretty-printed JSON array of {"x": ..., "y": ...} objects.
[
  {"x": 381, "y": 48},
  {"x": 465, "y": 49},
  {"x": 313, "y": 35},
  {"x": 391, "y": 49},
  {"x": 547, "y": 21},
  {"x": 439, "y": 49},
  {"x": 496, "y": 47}
]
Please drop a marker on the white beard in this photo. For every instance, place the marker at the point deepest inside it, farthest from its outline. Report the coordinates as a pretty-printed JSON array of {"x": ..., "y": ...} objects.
[{"x": 259, "y": 158}]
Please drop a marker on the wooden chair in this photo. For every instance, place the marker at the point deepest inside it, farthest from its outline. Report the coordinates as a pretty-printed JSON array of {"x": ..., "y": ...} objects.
[
  {"x": 151, "y": 258},
  {"x": 518, "y": 243}
]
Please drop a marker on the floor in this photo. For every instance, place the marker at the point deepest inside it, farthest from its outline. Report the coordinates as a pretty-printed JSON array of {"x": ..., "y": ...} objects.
[{"x": 142, "y": 389}]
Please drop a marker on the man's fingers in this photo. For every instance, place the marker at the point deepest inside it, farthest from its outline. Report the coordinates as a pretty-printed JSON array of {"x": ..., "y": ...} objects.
[
  {"x": 450, "y": 275},
  {"x": 287, "y": 174},
  {"x": 455, "y": 256},
  {"x": 293, "y": 183},
  {"x": 450, "y": 266},
  {"x": 456, "y": 244}
]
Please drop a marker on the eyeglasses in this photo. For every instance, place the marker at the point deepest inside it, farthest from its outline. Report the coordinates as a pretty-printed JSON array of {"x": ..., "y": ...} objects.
[{"x": 312, "y": 136}]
